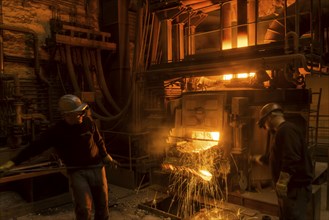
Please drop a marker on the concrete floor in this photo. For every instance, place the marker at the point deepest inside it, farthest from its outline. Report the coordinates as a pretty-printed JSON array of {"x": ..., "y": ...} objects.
[{"x": 124, "y": 204}]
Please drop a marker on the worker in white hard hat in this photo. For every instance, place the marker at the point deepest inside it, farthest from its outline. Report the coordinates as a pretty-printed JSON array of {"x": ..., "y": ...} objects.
[
  {"x": 80, "y": 146},
  {"x": 290, "y": 162}
]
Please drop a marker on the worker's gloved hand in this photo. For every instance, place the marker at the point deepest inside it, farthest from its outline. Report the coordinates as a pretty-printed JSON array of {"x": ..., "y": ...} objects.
[
  {"x": 6, "y": 166},
  {"x": 282, "y": 184},
  {"x": 256, "y": 159},
  {"x": 110, "y": 161}
]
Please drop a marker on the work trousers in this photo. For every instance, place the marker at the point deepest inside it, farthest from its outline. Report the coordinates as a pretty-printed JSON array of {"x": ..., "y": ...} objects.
[
  {"x": 89, "y": 190},
  {"x": 294, "y": 206}
]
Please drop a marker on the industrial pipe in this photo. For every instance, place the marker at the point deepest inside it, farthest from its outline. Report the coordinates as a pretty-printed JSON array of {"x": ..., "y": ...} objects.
[
  {"x": 77, "y": 88},
  {"x": 20, "y": 116},
  {"x": 70, "y": 69},
  {"x": 89, "y": 80},
  {"x": 102, "y": 81},
  {"x": 120, "y": 114}
]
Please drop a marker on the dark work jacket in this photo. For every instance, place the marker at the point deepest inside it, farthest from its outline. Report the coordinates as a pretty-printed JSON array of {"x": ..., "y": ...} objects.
[
  {"x": 77, "y": 145},
  {"x": 289, "y": 153}
]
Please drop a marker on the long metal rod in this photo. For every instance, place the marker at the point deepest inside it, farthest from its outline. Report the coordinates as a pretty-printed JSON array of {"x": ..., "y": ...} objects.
[
  {"x": 28, "y": 171},
  {"x": 20, "y": 168},
  {"x": 328, "y": 181}
]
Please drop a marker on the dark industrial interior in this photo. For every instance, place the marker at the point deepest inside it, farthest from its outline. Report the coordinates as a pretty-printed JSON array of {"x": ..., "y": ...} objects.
[{"x": 175, "y": 87}]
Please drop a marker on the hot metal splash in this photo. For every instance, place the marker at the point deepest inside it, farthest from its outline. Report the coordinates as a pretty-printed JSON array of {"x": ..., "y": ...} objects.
[{"x": 198, "y": 176}]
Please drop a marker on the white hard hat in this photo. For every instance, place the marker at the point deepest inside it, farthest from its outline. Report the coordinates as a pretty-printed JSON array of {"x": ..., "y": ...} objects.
[{"x": 71, "y": 103}]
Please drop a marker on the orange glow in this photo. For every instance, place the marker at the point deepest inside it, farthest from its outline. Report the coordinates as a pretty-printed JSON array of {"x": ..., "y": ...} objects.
[
  {"x": 227, "y": 45},
  {"x": 195, "y": 146},
  {"x": 215, "y": 135},
  {"x": 242, "y": 75},
  {"x": 227, "y": 76},
  {"x": 200, "y": 141},
  {"x": 211, "y": 135},
  {"x": 205, "y": 174},
  {"x": 243, "y": 41},
  {"x": 168, "y": 166},
  {"x": 204, "y": 140},
  {"x": 202, "y": 173}
]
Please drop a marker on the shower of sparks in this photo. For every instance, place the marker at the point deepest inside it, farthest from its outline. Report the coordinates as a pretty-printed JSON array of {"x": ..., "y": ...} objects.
[
  {"x": 193, "y": 181},
  {"x": 205, "y": 174},
  {"x": 217, "y": 214}
]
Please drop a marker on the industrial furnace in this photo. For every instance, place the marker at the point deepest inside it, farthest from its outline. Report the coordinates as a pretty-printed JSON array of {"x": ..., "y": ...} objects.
[
  {"x": 202, "y": 69},
  {"x": 213, "y": 137},
  {"x": 236, "y": 58}
]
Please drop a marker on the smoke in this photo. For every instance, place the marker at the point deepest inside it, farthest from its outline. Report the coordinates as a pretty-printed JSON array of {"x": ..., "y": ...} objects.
[{"x": 158, "y": 145}]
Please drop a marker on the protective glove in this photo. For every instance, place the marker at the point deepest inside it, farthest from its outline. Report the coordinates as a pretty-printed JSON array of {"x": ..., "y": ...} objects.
[
  {"x": 6, "y": 166},
  {"x": 110, "y": 161},
  {"x": 256, "y": 159},
  {"x": 282, "y": 184}
]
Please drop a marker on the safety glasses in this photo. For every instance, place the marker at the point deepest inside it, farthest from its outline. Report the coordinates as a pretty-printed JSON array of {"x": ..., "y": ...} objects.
[{"x": 76, "y": 114}]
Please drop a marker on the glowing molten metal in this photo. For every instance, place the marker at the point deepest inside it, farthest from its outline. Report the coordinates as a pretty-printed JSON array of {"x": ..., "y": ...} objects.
[
  {"x": 200, "y": 141},
  {"x": 193, "y": 149},
  {"x": 204, "y": 174}
]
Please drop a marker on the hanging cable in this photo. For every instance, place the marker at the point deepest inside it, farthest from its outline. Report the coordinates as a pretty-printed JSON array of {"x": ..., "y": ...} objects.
[
  {"x": 70, "y": 69},
  {"x": 88, "y": 76},
  {"x": 101, "y": 79}
]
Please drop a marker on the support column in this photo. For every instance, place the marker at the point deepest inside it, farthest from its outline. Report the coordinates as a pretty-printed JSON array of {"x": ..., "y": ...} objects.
[
  {"x": 178, "y": 42},
  {"x": 252, "y": 18},
  {"x": 190, "y": 40},
  {"x": 242, "y": 35},
  {"x": 226, "y": 26},
  {"x": 166, "y": 40}
]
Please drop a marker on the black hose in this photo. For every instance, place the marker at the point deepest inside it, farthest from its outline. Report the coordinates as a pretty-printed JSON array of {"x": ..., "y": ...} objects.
[
  {"x": 71, "y": 69},
  {"x": 89, "y": 79}
]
